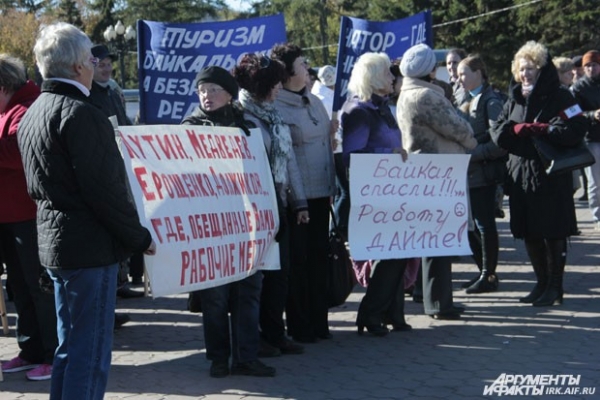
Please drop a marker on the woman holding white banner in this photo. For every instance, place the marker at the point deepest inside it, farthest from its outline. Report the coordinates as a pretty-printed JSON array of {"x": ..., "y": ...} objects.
[
  {"x": 217, "y": 90},
  {"x": 368, "y": 126},
  {"x": 311, "y": 129},
  {"x": 430, "y": 125},
  {"x": 260, "y": 79}
]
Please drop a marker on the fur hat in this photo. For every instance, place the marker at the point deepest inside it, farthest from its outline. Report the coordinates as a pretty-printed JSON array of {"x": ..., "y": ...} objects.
[
  {"x": 327, "y": 75},
  {"x": 590, "y": 56},
  {"x": 218, "y": 76},
  {"x": 418, "y": 61}
]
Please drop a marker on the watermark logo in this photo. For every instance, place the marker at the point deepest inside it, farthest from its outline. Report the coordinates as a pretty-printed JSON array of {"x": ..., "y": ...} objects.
[{"x": 537, "y": 385}]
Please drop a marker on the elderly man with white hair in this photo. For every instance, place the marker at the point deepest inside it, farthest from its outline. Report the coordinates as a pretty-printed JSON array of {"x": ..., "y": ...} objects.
[{"x": 86, "y": 224}]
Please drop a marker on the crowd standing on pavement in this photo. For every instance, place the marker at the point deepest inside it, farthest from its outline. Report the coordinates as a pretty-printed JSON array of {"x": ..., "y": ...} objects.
[{"x": 54, "y": 222}]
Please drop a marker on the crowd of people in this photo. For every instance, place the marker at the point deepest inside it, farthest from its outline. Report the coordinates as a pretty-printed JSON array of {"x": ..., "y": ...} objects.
[{"x": 69, "y": 213}]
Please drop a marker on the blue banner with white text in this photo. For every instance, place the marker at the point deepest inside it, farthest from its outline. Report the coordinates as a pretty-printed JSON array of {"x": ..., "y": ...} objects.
[
  {"x": 358, "y": 36},
  {"x": 171, "y": 54}
]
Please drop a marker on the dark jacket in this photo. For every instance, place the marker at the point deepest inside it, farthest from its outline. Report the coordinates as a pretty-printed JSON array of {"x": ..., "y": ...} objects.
[
  {"x": 541, "y": 206},
  {"x": 76, "y": 176},
  {"x": 109, "y": 102},
  {"x": 587, "y": 93},
  {"x": 228, "y": 115},
  {"x": 488, "y": 162}
]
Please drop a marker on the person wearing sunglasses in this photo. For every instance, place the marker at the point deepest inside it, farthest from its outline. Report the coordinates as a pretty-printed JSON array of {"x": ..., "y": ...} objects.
[{"x": 86, "y": 223}]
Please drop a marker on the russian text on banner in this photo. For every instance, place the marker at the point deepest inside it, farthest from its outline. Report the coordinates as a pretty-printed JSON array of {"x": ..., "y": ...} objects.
[
  {"x": 358, "y": 36},
  {"x": 171, "y": 54},
  {"x": 408, "y": 209},
  {"x": 207, "y": 196}
]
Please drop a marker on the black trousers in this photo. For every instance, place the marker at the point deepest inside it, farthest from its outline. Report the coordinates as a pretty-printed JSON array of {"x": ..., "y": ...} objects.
[
  {"x": 384, "y": 300},
  {"x": 437, "y": 284},
  {"x": 307, "y": 306},
  {"x": 274, "y": 293},
  {"x": 36, "y": 312}
]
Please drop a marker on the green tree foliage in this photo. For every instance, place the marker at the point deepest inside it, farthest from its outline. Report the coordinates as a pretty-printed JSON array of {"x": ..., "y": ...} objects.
[
  {"x": 173, "y": 10},
  {"x": 69, "y": 12}
]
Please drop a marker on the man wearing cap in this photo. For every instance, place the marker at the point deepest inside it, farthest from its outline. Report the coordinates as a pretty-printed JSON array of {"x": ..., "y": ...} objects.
[
  {"x": 587, "y": 93},
  {"x": 430, "y": 125},
  {"x": 102, "y": 95},
  {"x": 109, "y": 102}
]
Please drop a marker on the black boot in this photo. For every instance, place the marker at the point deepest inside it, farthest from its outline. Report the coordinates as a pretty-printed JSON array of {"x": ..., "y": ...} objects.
[
  {"x": 557, "y": 251},
  {"x": 488, "y": 260},
  {"x": 536, "y": 249},
  {"x": 476, "y": 244}
]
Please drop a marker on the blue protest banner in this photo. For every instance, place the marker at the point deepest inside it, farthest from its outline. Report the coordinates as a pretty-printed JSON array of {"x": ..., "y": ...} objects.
[
  {"x": 171, "y": 54},
  {"x": 358, "y": 36}
]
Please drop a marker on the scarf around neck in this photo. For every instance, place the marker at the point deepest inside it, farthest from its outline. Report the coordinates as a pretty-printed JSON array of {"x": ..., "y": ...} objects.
[{"x": 279, "y": 132}]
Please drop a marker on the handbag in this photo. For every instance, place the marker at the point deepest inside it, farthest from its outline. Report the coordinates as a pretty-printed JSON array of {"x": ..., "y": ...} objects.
[
  {"x": 558, "y": 159},
  {"x": 340, "y": 276}
]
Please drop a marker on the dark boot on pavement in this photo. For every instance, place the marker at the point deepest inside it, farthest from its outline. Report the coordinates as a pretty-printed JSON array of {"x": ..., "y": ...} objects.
[
  {"x": 536, "y": 249},
  {"x": 252, "y": 368},
  {"x": 553, "y": 294}
]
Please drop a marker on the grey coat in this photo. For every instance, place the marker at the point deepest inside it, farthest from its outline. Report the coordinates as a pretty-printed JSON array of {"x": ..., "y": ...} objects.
[{"x": 310, "y": 128}]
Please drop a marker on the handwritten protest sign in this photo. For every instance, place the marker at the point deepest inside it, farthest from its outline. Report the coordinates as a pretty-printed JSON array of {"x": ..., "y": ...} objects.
[
  {"x": 171, "y": 54},
  {"x": 207, "y": 196},
  {"x": 408, "y": 209}
]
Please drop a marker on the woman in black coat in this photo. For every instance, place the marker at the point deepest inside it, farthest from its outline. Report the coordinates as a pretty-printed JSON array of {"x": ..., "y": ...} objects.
[{"x": 541, "y": 206}]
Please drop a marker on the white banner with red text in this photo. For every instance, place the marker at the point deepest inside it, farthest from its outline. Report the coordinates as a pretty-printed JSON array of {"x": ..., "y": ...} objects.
[
  {"x": 206, "y": 194},
  {"x": 415, "y": 208}
]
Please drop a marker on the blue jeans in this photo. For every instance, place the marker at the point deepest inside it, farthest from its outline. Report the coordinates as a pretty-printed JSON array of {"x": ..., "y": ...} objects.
[
  {"x": 85, "y": 306},
  {"x": 242, "y": 300}
]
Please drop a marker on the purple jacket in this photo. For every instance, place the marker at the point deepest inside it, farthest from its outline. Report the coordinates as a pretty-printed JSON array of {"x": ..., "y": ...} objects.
[{"x": 368, "y": 127}]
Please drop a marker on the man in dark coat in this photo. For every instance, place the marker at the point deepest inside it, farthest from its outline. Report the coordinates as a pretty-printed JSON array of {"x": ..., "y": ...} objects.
[{"x": 86, "y": 222}]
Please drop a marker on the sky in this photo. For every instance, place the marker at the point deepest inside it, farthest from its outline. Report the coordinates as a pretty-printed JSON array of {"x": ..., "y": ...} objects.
[{"x": 239, "y": 5}]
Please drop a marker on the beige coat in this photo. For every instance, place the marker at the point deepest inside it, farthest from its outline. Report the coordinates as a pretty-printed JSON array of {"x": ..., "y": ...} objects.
[{"x": 428, "y": 121}]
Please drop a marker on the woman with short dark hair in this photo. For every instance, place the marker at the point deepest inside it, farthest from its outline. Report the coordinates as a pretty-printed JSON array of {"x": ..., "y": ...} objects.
[{"x": 260, "y": 78}]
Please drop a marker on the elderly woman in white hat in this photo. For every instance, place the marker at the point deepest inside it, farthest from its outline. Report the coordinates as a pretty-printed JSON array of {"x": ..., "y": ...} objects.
[{"x": 430, "y": 125}]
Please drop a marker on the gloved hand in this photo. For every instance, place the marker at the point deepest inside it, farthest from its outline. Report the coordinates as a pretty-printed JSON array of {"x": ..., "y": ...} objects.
[{"x": 531, "y": 129}]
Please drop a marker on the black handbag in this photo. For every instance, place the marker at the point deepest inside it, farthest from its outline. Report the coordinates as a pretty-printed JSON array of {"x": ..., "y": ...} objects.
[
  {"x": 340, "y": 275},
  {"x": 559, "y": 159}
]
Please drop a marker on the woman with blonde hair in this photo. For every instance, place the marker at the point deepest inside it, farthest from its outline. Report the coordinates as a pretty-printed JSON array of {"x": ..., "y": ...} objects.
[
  {"x": 368, "y": 126},
  {"x": 541, "y": 205}
]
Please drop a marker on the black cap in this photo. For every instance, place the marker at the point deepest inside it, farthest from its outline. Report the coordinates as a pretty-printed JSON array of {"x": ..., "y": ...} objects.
[
  {"x": 577, "y": 61},
  {"x": 218, "y": 76},
  {"x": 101, "y": 52}
]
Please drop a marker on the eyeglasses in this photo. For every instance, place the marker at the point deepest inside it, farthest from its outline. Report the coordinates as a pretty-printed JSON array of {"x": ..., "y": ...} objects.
[
  {"x": 264, "y": 62},
  {"x": 211, "y": 91},
  {"x": 94, "y": 61}
]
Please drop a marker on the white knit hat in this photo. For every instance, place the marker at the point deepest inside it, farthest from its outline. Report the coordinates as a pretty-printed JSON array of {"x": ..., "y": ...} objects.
[
  {"x": 418, "y": 61},
  {"x": 327, "y": 75}
]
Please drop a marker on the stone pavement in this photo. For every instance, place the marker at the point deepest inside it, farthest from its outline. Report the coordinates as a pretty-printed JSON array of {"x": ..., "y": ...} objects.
[{"x": 160, "y": 354}]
